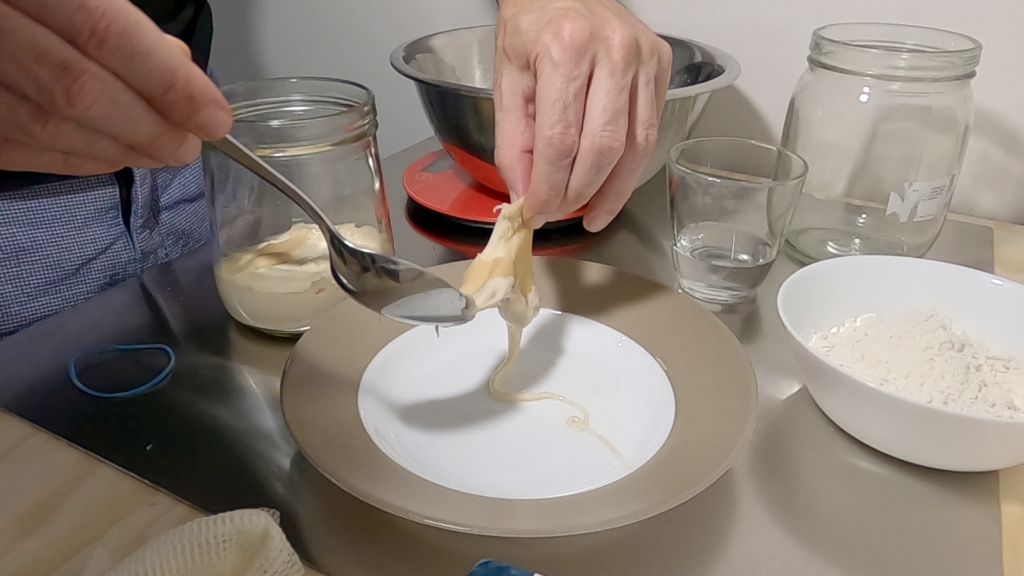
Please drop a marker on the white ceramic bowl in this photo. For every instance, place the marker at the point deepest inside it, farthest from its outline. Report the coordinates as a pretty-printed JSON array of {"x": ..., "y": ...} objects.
[{"x": 988, "y": 308}]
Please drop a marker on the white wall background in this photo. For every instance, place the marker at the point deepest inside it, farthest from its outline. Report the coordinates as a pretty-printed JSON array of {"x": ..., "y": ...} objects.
[{"x": 352, "y": 39}]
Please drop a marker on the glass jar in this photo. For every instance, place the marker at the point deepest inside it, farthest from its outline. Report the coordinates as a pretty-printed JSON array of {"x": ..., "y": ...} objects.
[
  {"x": 271, "y": 263},
  {"x": 882, "y": 115}
]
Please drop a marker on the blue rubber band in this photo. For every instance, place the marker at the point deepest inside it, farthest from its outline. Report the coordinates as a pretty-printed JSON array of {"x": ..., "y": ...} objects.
[
  {"x": 492, "y": 568},
  {"x": 148, "y": 386}
]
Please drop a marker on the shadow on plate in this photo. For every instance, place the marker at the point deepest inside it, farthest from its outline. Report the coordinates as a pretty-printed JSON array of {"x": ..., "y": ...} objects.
[
  {"x": 539, "y": 355},
  {"x": 866, "y": 513},
  {"x": 352, "y": 537}
]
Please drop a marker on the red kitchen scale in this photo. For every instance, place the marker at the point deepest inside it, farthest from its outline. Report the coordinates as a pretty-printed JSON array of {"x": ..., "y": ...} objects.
[
  {"x": 452, "y": 209},
  {"x": 437, "y": 183}
]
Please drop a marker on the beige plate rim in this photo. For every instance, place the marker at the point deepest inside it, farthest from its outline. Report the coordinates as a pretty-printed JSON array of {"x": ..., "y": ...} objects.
[{"x": 712, "y": 380}]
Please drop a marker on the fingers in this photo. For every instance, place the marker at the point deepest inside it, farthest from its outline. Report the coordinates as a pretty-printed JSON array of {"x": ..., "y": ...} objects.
[
  {"x": 32, "y": 126},
  {"x": 58, "y": 78},
  {"x": 19, "y": 157},
  {"x": 647, "y": 102},
  {"x": 514, "y": 126},
  {"x": 603, "y": 138},
  {"x": 130, "y": 46},
  {"x": 563, "y": 75}
]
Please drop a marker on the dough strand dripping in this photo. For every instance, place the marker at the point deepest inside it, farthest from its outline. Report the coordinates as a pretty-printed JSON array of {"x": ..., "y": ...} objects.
[{"x": 502, "y": 276}]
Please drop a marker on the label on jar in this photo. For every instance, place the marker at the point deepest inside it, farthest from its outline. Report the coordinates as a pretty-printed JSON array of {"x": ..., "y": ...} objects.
[{"x": 928, "y": 197}]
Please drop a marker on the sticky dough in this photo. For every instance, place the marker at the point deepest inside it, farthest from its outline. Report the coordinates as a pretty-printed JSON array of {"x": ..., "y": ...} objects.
[
  {"x": 502, "y": 276},
  {"x": 285, "y": 283}
]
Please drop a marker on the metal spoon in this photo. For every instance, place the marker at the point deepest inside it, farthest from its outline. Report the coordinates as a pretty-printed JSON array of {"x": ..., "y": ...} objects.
[{"x": 391, "y": 287}]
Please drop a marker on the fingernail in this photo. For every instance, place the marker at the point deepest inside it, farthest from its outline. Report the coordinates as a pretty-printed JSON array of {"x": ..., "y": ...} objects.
[
  {"x": 213, "y": 123},
  {"x": 597, "y": 222}
]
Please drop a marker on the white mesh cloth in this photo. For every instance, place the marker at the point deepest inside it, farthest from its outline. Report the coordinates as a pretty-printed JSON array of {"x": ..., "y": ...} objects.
[{"x": 240, "y": 543}]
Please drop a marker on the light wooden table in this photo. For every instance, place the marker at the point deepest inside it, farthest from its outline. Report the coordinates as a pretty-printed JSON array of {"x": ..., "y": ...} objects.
[
  {"x": 63, "y": 512},
  {"x": 1009, "y": 248}
]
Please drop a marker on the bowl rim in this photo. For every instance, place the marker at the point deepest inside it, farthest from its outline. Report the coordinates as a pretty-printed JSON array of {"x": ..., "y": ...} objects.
[
  {"x": 837, "y": 262},
  {"x": 730, "y": 65}
]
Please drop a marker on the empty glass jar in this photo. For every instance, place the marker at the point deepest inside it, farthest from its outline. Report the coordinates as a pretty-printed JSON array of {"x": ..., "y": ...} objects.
[
  {"x": 882, "y": 115},
  {"x": 271, "y": 264}
]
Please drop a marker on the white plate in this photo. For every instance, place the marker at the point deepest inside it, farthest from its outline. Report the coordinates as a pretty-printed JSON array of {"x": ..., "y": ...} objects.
[
  {"x": 424, "y": 401},
  {"x": 436, "y": 449}
]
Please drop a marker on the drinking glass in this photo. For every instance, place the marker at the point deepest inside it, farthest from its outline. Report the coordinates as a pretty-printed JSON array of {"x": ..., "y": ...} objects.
[{"x": 731, "y": 200}]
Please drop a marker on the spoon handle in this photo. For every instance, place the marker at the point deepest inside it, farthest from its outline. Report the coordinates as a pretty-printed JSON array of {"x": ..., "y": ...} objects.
[{"x": 233, "y": 149}]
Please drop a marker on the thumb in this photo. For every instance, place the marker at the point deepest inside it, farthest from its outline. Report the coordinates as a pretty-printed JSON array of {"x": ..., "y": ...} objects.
[{"x": 514, "y": 92}]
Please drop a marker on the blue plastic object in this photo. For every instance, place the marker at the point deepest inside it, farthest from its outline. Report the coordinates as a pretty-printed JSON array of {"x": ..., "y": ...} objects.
[{"x": 492, "y": 568}]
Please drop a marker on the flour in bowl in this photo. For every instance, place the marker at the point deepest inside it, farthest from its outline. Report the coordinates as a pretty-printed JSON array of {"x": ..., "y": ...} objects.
[{"x": 918, "y": 355}]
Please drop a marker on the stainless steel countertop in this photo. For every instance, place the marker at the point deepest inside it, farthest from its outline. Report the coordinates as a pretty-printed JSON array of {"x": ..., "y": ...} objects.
[{"x": 803, "y": 499}]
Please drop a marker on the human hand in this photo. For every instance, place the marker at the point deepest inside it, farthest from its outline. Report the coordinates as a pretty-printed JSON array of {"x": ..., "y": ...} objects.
[
  {"x": 91, "y": 86},
  {"x": 579, "y": 90}
]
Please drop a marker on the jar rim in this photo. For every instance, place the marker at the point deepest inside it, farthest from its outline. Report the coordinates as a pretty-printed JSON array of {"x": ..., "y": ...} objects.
[
  {"x": 902, "y": 51},
  {"x": 823, "y": 32},
  {"x": 250, "y": 97}
]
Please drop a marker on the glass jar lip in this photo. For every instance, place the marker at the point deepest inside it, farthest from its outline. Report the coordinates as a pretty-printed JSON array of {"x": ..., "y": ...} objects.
[
  {"x": 676, "y": 163},
  {"x": 895, "y": 50},
  {"x": 822, "y": 32},
  {"x": 359, "y": 103}
]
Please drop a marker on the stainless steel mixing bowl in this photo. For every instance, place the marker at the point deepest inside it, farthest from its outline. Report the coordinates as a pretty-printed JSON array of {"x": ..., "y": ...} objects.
[{"x": 454, "y": 73}]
